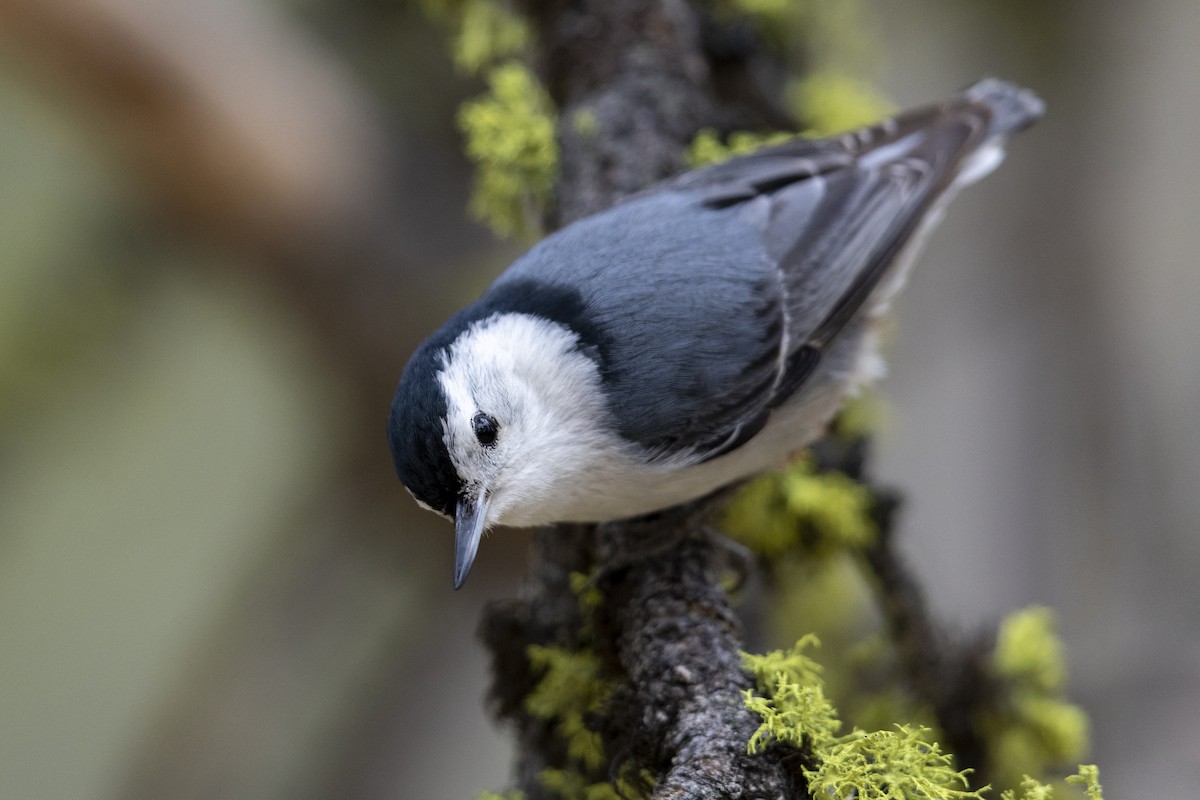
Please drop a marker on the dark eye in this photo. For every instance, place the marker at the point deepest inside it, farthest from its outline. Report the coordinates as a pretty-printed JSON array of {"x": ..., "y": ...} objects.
[{"x": 486, "y": 429}]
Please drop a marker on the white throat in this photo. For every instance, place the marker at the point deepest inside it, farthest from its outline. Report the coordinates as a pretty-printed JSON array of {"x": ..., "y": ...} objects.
[{"x": 530, "y": 374}]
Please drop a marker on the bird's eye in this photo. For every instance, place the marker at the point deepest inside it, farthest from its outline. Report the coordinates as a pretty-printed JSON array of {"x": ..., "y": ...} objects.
[{"x": 486, "y": 429}]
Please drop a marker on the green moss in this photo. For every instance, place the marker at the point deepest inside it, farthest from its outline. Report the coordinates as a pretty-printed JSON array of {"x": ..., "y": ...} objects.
[
  {"x": 571, "y": 688},
  {"x": 900, "y": 764},
  {"x": 1028, "y": 651},
  {"x": 774, "y": 513},
  {"x": 513, "y": 795},
  {"x": 778, "y": 667},
  {"x": 833, "y": 504},
  {"x": 824, "y": 594},
  {"x": 863, "y": 414},
  {"x": 1031, "y": 789},
  {"x": 488, "y": 32},
  {"x": 708, "y": 148},
  {"x": 831, "y": 102},
  {"x": 571, "y": 785},
  {"x": 511, "y": 138},
  {"x": 588, "y": 594},
  {"x": 485, "y": 32},
  {"x": 1037, "y": 729},
  {"x": 795, "y": 715},
  {"x": 1088, "y": 777}
]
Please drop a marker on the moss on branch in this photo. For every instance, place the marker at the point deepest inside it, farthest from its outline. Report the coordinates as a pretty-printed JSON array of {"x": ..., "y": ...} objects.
[{"x": 510, "y": 135}]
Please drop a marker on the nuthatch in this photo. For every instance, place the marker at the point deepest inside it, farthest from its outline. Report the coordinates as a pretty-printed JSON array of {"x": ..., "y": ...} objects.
[{"x": 690, "y": 336}]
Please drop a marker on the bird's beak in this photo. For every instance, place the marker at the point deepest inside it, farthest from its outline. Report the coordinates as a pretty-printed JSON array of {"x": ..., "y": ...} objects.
[{"x": 469, "y": 518}]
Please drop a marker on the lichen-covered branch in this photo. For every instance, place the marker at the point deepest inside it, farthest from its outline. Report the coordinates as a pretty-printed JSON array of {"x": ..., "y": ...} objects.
[
  {"x": 681, "y": 713},
  {"x": 634, "y": 610},
  {"x": 631, "y": 80}
]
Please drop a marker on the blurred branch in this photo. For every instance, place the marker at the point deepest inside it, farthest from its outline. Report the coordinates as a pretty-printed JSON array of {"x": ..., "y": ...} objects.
[
  {"x": 255, "y": 142},
  {"x": 250, "y": 138},
  {"x": 244, "y": 130}
]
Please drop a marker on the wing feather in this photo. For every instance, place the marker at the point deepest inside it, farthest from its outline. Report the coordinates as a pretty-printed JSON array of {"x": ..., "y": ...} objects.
[
  {"x": 718, "y": 294},
  {"x": 839, "y": 212}
]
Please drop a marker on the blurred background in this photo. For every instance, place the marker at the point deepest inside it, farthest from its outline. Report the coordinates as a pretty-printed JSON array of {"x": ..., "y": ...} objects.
[{"x": 225, "y": 225}]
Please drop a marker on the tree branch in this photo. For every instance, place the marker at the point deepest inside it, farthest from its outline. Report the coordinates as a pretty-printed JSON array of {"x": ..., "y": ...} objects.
[
  {"x": 637, "y": 69},
  {"x": 681, "y": 713}
]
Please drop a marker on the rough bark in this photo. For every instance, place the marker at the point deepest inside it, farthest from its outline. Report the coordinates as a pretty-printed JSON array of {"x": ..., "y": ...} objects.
[{"x": 681, "y": 712}]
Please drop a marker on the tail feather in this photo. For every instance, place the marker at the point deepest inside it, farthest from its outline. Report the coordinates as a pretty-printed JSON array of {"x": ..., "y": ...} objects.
[{"x": 1012, "y": 108}]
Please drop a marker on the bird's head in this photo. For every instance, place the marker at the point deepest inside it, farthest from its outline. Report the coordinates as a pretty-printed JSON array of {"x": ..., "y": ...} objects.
[{"x": 498, "y": 423}]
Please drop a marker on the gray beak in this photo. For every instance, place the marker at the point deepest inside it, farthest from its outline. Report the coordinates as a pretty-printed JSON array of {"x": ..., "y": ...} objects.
[{"x": 469, "y": 517}]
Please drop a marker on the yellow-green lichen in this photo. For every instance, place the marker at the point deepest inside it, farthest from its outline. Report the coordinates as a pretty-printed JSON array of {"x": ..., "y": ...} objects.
[
  {"x": 1088, "y": 777},
  {"x": 513, "y": 795},
  {"x": 1036, "y": 734},
  {"x": 881, "y": 709},
  {"x": 790, "y": 698},
  {"x": 778, "y": 667},
  {"x": 1028, "y": 651},
  {"x": 794, "y": 714},
  {"x": 836, "y": 506},
  {"x": 510, "y": 136},
  {"x": 1031, "y": 789},
  {"x": 571, "y": 688},
  {"x": 863, "y": 414},
  {"x": 1037, "y": 729},
  {"x": 827, "y": 595},
  {"x": 488, "y": 32},
  {"x": 773, "y": 513},
  {"x": 570, "y": 785},
  {"x": 831, "y": 102},
  {"x": 900, "y": 764},
  {"x": 485, "y": 32},
  {"x": 588, "y": 593},
  {"x": 708, "y": 148}
]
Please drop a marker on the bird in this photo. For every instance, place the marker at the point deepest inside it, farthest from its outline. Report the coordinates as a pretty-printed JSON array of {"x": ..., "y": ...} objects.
[{"x": 689, "y": 337}]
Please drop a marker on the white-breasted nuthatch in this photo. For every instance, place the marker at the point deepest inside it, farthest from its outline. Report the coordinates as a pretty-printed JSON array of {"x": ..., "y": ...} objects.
[{"x": 689, "y": 337}]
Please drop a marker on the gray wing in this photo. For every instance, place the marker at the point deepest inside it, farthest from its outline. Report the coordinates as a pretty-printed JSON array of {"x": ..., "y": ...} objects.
[{"x": 721, "y": 291}]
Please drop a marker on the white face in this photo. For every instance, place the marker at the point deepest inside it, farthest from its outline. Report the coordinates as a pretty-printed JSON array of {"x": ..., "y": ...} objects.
[{"x": 525, "y": 420}]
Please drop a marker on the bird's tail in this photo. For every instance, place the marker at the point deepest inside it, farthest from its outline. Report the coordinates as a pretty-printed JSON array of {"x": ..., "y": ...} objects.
[{"x": 1012, "y": 108}]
